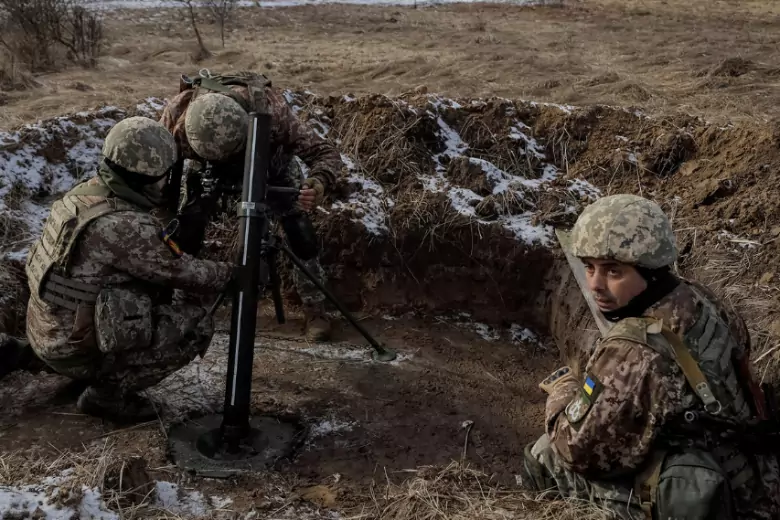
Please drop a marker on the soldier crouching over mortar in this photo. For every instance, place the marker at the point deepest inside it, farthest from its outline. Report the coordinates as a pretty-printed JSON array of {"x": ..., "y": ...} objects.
[
  {"x": 644, "y": 429},
  {"x": 101, "y": 307},
  {"x": 209, "y": 119}
]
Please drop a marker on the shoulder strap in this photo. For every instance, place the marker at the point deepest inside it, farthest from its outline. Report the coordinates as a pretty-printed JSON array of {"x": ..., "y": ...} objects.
[
  {"x": 636, "y": 330},
  {"x": 646, "y": 482},
  {"x": 690, "y": 368},
  {"x": 91, "y": 190},
  {"x": 214, "y": 85}
]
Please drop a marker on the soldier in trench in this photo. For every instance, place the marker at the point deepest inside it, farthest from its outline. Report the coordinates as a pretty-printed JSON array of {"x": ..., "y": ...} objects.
[
  {"x": 209, "y": 120},
  {"x": 641, "y": 431},
  {"x": 113, "y": 303}
]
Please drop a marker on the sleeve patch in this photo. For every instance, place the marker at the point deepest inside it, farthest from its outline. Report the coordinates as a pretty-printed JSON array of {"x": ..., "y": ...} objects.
[
  {"x": 165, "y": 236},
  {"x": 578, "y": 408}
]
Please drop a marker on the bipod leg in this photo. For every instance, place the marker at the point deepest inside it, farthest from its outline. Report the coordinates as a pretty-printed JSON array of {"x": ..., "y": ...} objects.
[
  {"x": 276, "y": 289},
  {"x": 381, "y": 353}
]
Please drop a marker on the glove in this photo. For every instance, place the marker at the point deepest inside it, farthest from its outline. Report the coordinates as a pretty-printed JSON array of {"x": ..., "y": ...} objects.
[
  {"x": 315, "y": 184},
  {"x": 560, "y": 376}
]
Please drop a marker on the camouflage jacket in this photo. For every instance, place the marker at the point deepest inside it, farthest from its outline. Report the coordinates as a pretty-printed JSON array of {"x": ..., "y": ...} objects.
[
  {"x": 636, "y": 393},
  {"x": 289, "y": 137},
  {"x": 117, "y": 249}
]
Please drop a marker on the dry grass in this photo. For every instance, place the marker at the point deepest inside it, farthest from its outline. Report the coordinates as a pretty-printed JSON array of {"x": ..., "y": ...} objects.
[
  {"x": 459, "y": 492},
  {"x": 723, "y": 265},
  {"x": 65, "y": 475},
  {"x": 647, "y": 53}
]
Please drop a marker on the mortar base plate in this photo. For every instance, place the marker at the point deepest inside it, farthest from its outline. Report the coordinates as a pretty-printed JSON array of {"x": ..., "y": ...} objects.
[{"x": 193, "y": 446}]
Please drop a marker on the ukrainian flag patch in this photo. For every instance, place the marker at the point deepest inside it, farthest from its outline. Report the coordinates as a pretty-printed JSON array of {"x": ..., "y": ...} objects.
[
  {"x": 578, "y": 408},
  {"x": 589, "y": 385}
]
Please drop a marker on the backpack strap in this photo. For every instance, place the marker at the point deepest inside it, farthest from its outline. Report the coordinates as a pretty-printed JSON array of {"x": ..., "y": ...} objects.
[
  {"x": 690, "y": 368},
  {"x": 91, "y": 190},
  {"x": 646, "y": 482},
  {"x": 636, "y": 330}
]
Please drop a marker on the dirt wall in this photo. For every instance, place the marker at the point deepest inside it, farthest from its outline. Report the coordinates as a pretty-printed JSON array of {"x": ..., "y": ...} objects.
[{"x": 448, "y": 206}]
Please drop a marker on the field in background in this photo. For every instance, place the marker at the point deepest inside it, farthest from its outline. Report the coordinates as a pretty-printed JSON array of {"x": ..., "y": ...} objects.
[{"x": 715, "y": 58}]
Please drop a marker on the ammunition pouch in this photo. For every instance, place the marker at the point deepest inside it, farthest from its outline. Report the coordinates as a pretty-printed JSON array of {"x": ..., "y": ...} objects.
[{"x": 123, "y": 319}]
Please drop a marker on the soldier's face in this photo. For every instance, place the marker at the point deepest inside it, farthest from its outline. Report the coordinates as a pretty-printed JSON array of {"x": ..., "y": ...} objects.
[{"x": 612, "y": 284}]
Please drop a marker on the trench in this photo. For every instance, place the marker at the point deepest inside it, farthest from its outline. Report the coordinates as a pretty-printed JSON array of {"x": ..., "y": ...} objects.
[{"x": 415, "y": 268}]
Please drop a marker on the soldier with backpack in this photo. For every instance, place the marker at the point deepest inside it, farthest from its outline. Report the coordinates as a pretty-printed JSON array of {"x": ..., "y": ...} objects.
[
  {"x": 643, "y": 429},
  {"x": 208, "y": 119}
]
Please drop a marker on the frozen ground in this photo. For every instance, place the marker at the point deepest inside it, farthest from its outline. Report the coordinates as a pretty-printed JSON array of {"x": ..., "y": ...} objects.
[{"x": 43, "y": 160}]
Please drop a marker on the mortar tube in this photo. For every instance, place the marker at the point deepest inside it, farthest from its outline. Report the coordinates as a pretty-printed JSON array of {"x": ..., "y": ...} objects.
[{"x": 253, "y": 226}]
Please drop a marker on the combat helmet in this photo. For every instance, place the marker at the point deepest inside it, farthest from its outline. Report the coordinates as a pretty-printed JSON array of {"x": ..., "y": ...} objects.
[
  {"x": 625, "y": 228},
  {"x": 216, "y": 126},
  {"x": 141, "y": 147}
]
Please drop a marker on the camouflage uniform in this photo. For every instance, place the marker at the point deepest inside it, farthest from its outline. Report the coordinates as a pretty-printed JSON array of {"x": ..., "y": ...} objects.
[
  {"x": 101, "y": 307},
  {"x": 289, "y": 138},
  {"x": 605, "y": 433}
]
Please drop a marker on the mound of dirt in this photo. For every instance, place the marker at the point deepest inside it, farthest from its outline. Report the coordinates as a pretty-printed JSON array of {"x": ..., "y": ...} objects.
[
  {"x": 449, "y": 205},
  {"x": 445, "y": 206},
  {"x": 730, "y": 67}
]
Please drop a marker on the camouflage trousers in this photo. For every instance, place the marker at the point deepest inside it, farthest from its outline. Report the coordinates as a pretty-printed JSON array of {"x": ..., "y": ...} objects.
[
  {"x": 293, "y": 176},
  {"x": 180, "y": 333},
  {"x": 544, "y": 472},
  {"x": 309, "y": 293}
]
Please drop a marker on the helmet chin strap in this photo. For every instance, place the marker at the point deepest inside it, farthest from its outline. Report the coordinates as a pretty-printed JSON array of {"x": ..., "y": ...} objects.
[{"x": 660, "y": 282}]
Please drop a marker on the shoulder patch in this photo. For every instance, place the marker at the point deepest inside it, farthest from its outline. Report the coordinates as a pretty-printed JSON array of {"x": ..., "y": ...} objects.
[
  {"x": 578, "y": 408},
  {"x": 166, "y": 236}
]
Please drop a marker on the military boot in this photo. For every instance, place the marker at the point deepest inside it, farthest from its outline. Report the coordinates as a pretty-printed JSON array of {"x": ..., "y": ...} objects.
[
  {"x": 109, "y": 403},
  {"x": 318, "y": 326},
  {"x": 17, "y": 354}
]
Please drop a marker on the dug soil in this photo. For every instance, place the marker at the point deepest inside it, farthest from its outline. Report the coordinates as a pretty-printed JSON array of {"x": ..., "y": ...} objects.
[{"x": 450, "y": 395}]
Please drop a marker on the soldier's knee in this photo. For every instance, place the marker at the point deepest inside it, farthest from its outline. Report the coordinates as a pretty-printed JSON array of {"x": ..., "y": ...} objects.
[{"x": 535, "y": 476}]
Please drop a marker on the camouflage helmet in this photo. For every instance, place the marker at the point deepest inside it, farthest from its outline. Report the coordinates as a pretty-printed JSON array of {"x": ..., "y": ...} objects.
[
  {"x": 626, "y": 228},
  {"x": 140, "y": 145},
  {"x": 216, "y": 126}
]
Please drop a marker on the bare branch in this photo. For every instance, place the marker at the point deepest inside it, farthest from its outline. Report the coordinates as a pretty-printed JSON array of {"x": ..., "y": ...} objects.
[
  {"x": 204, "y": 52},
  {"x": 222, "y": 12}
]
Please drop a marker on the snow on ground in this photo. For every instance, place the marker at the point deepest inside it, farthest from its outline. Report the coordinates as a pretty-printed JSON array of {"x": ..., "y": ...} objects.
[
  {"x": 41, "y": 501},
  {"x": 45, "y": 159},
  {"x": 369, "y": 203},
  {"x": 515, "y": 333},
  {"x": 330, "y": 426}
]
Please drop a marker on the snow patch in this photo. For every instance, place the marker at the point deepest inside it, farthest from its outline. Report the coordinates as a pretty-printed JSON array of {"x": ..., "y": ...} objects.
[
  {"x": 330, "y": 426},
  {"x": 45, "y": 159},
  {"x": 175, "y": 500},
  {"x": 368, "y": 203},
  {"x": 522, "y": 335},
  {"x": 40, "y": 501}
]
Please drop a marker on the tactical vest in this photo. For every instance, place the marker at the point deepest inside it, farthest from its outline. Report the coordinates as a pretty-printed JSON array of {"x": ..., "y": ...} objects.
[
  {"x": 255, "y": 83},
  {"x": 49, "y": 260},
  {"x": 693, "y": 482}
]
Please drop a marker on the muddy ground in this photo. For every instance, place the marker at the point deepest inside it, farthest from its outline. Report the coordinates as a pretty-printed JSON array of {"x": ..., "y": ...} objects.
[
  {"x": 369, "y": 421},
  {"x": 438, "y": 232}
]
